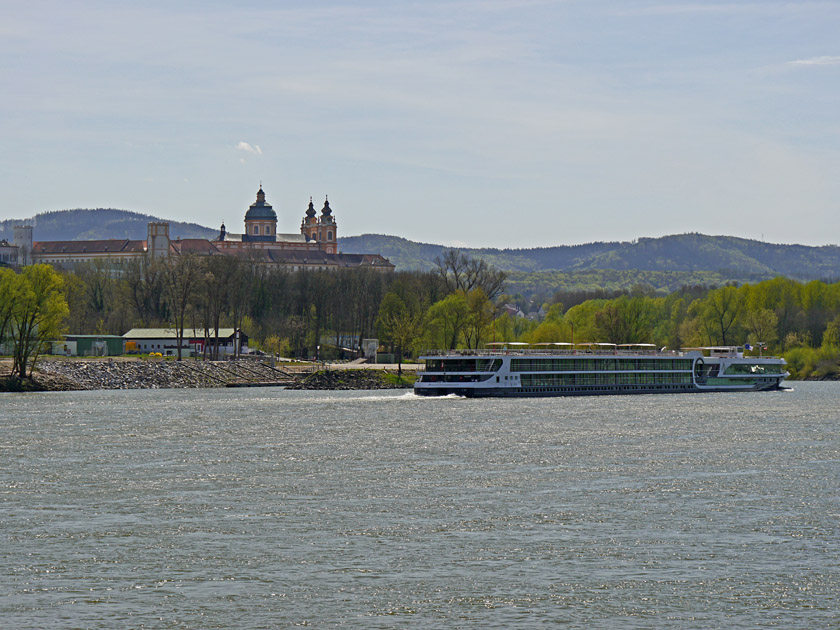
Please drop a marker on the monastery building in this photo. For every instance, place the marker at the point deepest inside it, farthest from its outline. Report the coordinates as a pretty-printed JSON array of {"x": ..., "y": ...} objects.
[{"x": 315, "y": 247}]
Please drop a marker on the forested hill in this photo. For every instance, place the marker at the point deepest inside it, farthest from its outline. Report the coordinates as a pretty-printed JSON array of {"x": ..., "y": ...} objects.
[
  {"x": 682, "y": 255},
  {"x": 102, "y": 223},
  {"x": 737, "y": 257}
]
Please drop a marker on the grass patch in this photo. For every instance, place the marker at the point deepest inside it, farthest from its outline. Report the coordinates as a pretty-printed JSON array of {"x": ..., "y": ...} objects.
[{"x": 406, "y": 380}]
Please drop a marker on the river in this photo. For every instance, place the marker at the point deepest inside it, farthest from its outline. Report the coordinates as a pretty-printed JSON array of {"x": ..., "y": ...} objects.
[{"x": 264, "y": 508}]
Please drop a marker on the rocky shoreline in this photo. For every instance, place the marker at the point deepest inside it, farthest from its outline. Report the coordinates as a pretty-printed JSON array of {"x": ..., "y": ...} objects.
[
  {"x": 79, "y": 375},
  {"x": 64, "y": 375},
  {"x": 353, "y": 379}
]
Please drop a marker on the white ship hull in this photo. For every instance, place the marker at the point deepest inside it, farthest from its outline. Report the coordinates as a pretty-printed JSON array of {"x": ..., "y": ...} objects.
[{"x": 538, "y": 373}]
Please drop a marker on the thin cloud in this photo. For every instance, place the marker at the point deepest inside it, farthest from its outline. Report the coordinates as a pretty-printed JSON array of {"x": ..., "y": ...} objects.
[
  {"x": 825, "y": 60},
  {"x": 688, "y": 8},
  {"x": 244, "y": 146}
]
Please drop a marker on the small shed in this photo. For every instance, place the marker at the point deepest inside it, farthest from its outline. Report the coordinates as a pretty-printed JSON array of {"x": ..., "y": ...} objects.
[{"x": 97, "y": 345}]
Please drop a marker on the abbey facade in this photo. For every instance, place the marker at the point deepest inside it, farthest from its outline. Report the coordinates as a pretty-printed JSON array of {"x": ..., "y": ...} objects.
[
  {"x": 315, "y": 247},
  {"x": 317, "y": 233}
]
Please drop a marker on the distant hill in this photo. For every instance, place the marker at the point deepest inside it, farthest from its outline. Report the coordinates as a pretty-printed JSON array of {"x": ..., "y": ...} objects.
[
  {"x": 728, "y": 256},
  {"x": 102, "y": 223},
  {"x": 663, "y": 262}
]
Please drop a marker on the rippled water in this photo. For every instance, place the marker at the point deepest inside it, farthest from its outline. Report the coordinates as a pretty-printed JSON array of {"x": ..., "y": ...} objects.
[{"x": 271, "y": 508}]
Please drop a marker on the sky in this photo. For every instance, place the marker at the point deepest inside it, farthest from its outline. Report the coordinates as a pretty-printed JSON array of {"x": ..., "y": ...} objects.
[{"x": 494, "y": 123}]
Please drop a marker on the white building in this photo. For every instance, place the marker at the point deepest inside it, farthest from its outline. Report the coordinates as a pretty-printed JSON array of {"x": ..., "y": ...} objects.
[{"x": 165, "y": 341}]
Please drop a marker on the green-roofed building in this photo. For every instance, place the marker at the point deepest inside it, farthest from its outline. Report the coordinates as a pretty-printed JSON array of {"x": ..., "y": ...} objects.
[{"x": 90, "y": 346}]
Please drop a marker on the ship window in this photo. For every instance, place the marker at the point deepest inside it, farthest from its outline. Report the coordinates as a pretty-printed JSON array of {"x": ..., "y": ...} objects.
[{"x": 746, "y": 368}]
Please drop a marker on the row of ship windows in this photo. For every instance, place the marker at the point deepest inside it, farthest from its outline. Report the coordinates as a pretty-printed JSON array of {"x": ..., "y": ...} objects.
[
  {"x": 535, "y": 390},
  {"x": 552, "y": 380},
  {"x": 463, "y": 365},
  {"x": 563, "y": 380},
  {"x": 557, "y": 365},
  {"x": 568, "y": 365},
  {"x": 456, "y": 378},
  {"x": 745, "y": 368}
]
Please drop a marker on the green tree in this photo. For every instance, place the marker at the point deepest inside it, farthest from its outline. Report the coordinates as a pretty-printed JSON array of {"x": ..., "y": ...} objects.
[
  {"x": 11, "y": 288},
  {"x": 719, "y": 312},
  {"x": 271, "y": 345},
  {"x": 831, "y": 336},
  {"x": 38, "y": 315},
  {"x": 581, "y": 321},
  {"x": 761, "y": 325},
  {"x": 445, "y": 320},
  {"x": 479, "y": 317},
  {"x": 503, "y": 328},
  {"x": 625, "y": 320},
  {"x": 552, "y": 329},
  {"x": 401, "y": 324}
]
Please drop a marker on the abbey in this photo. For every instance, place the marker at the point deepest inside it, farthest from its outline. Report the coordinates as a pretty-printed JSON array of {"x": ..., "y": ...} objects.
[
  {"x": 315, "y": 247},
  {"x": 317, "y": 233}
]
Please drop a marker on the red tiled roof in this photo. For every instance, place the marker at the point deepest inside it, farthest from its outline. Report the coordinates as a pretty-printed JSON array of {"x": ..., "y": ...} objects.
[
  {"x": 195, "y": 245},
  {"x": 111, "y": 246}
]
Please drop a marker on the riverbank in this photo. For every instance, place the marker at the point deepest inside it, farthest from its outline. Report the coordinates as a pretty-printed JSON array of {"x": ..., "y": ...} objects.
[
  {"x": 132, "y": 373},
  {"x": 365, "y": 378},
  {"x": 121, "y": 373}
]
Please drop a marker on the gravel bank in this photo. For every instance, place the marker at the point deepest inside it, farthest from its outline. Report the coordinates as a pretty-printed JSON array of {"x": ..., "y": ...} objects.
[
  {"x": 87, "y": 375},
  {"x": 353, "y": 379}
]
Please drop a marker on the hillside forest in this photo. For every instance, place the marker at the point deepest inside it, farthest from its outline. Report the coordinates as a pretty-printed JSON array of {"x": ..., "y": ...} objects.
[{"x": 461, "y": 303}]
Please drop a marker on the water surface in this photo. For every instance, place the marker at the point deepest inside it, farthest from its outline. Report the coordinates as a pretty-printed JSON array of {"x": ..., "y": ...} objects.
[{"x": 270, "y": 508}]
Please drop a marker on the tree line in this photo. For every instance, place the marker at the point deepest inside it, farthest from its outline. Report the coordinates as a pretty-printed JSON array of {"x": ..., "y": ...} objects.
[
  {"x": 327, "y": 313},
  {"x": 800, "y": 321}
]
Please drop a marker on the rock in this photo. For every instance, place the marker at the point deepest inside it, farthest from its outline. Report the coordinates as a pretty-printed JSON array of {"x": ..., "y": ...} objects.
[{"x": 350, "y": 379}]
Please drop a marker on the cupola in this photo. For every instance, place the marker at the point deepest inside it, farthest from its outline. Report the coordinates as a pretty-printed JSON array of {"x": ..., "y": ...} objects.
[{"x": 260, "y": 220}]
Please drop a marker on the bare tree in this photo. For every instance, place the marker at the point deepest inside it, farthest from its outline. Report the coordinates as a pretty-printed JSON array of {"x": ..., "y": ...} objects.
[
  {"x": 181, "y": 276},
  {"x": 460, "y": 272},
  {"x": 220, "y": 275},
  {"x": 145, "y": 281}
]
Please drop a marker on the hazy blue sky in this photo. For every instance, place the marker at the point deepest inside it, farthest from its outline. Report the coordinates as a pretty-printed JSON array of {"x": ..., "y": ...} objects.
[{"x": 479, "y": 122}]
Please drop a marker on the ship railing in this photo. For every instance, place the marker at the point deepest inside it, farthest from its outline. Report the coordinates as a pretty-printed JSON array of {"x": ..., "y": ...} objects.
[{"x": 495, "y": 352}]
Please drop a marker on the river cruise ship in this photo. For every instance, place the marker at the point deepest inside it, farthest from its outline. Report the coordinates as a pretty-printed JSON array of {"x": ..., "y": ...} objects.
[{"x": 564, "y": 369}]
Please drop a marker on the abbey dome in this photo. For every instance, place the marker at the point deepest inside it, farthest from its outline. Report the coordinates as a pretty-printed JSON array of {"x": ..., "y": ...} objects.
[
  {"x": 260, "y": 210},
  {"x": 316, "y": 233}
]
